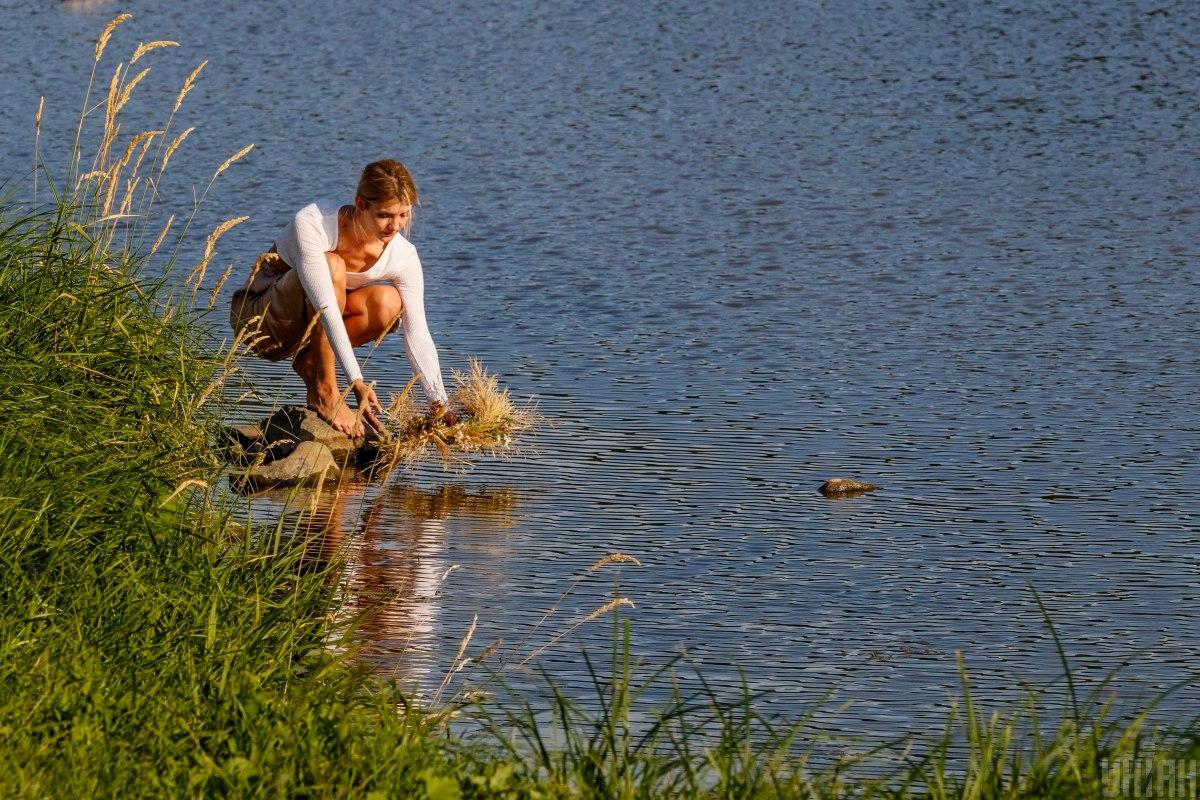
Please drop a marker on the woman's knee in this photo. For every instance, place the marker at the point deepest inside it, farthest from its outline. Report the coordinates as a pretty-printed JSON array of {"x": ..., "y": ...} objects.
[
  {"x": 390, "y": 307},
  {"x": 371, "y": 312}
]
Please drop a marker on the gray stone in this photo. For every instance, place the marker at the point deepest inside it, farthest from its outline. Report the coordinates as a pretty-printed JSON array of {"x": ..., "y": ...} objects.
[
  {"x": 309, "y": 463},
  {"x": 292, "y": 446},
  {"x": 845, "y": 487}
]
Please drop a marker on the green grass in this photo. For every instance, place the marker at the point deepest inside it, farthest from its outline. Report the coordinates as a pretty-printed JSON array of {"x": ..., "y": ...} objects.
[{"x": 713, "y": 743}]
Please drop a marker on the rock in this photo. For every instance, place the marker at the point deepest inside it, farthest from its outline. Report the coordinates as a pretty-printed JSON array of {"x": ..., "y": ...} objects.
[
  {"x": 298, "y": 424},
  {"x": 292, "y": 446},
  {"x": 245, "y": 435},
  {"x": 241, "y": 443},
  {"x": 845, "y": 487},
  {"x": 309, "y": 462}
]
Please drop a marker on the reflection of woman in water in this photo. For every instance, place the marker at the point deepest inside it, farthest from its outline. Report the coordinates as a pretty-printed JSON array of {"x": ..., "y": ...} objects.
[
  {"x": 391, "y": 575},
  {"x": 338, "y": 277},
  {"x": 395, "y": 571}
]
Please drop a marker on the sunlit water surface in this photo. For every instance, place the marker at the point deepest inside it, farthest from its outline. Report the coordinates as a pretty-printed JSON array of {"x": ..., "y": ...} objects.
[{"x": 733, "y": 250}]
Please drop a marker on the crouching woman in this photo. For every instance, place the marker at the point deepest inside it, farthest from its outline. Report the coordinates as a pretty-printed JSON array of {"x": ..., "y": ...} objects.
[{"x": 338, "y": 277}]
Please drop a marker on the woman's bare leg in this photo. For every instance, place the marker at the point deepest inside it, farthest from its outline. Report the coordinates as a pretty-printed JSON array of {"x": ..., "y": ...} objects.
[{"x": 316, "y": 366}]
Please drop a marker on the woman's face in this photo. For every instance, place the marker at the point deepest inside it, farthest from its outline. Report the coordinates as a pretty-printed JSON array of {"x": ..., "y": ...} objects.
[{"x": 385, "y": 220}]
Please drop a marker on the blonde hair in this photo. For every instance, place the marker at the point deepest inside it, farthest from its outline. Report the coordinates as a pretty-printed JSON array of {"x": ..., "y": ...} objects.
[{"x": 387, "y": 181}]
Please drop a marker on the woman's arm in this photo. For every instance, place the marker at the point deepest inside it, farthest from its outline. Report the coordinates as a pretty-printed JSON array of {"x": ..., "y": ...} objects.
[{"x": 418, "y": 343}]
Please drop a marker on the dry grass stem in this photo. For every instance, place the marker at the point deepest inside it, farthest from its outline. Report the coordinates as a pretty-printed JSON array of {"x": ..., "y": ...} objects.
[
  {"x": 611, "y": 558},
  {"x": 312, "y": 323},
  {"x": 110, "y": 97},
  {"x": 145, "y": 139},
  {"x": 127, "y": 203},
  {"x": 188, "y": 83},
  {"x": 37, "y": 135},
  {"x": 111, "y": 128},
  {"x": 127, "y": 90},
  {"x": 258, "y": 265},
  {"x": 108, "y": 32},
  {"x": 614, "y": 558},
  {"x": 114, "y": 179},
  {"x": 212, "y": 387},
  {"x": 212, "y": 297},
  {"x": 173, "y": 146},
  {"x": 610, "y": 606},
  {"x": 196, "y": 276},
  {"x": 181, "y": 487},
  {"x": 229, "y": 161},
  {"x": 459, "y": 662},
  {"x": 146, "y": 47},
  {"x": 386, "y": 330},
  {"x": 95, "y": 174},
  {"x": 162, "y": 235},
  {"x": 99, "y": 221},
  {"x": 245, "y": 339},
  {"x": 489, "y": 651},
  {"x": 138, "y": 139}
]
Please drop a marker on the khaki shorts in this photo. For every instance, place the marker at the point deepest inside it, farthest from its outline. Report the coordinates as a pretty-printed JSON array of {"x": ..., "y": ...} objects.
[{"x": 272, "y": 310}]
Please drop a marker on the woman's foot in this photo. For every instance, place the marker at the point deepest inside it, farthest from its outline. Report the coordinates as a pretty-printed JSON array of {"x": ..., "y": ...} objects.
[
  {"x": 314, "y": 364},
  {"x": 334, "y": 410}
]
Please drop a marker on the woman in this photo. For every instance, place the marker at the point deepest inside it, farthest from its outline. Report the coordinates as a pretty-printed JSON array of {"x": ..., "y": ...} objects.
[{"x": 337, "y": 278}]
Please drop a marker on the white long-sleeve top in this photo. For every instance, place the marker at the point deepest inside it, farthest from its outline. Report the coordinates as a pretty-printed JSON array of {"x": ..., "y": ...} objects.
[{"x": 303, "y": 244}]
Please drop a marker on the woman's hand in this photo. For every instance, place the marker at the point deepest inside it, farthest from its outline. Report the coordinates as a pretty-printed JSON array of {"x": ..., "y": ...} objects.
[
  {"x": 368, "y": 404},
  {"x": 439, "y": 411}
]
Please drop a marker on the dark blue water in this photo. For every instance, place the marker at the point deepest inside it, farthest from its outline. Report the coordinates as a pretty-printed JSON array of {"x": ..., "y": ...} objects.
[{"x": 734, "y": 250}]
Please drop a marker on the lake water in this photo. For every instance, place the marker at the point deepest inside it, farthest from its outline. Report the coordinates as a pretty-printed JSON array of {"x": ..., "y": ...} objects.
[{"x": 733, "y": 250}]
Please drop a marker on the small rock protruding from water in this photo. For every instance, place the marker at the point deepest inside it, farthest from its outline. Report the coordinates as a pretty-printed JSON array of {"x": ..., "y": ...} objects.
[{"x": 845, "y": 487}]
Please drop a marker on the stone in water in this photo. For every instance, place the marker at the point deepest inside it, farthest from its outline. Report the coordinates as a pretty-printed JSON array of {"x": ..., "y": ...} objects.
[{"x": 845, "y": 487}]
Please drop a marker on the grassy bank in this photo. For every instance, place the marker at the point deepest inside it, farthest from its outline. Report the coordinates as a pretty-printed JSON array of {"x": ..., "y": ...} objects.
[{"x": 153, "y": 648}]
